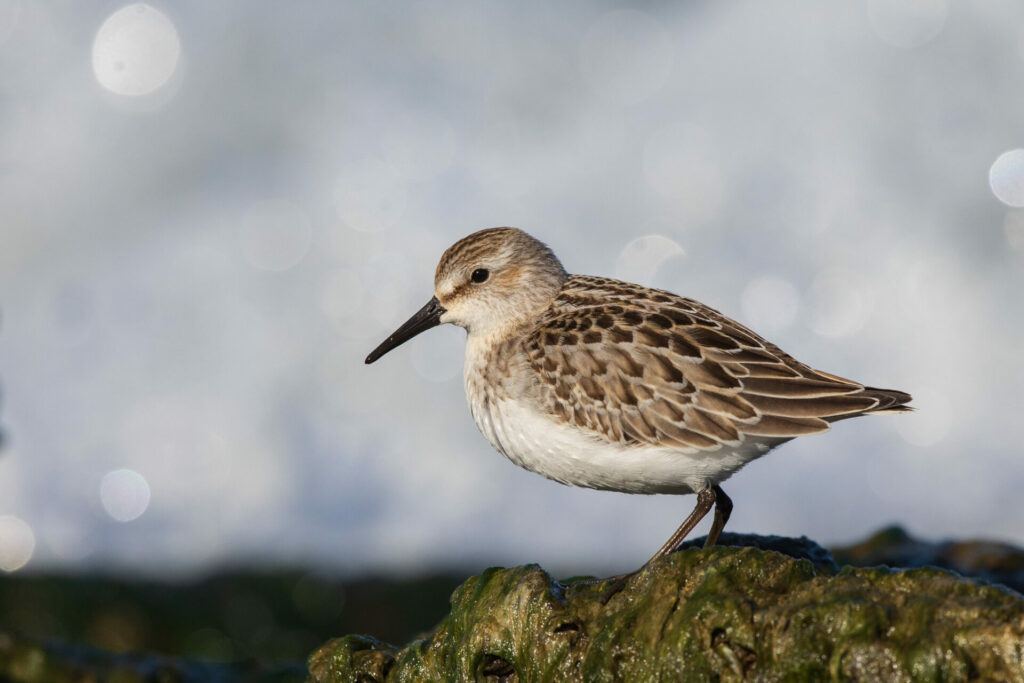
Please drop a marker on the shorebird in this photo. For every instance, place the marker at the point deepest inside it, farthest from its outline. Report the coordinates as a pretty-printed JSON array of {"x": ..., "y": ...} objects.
[{"x": 595, "y": 382}]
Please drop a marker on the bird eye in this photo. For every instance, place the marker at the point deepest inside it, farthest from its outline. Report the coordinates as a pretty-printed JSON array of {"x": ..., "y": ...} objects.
[{"x": 479, "y": 275}]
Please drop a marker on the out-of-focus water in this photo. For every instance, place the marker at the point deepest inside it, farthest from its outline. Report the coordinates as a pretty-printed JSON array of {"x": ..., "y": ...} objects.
[{"x": 211, "y": 212}]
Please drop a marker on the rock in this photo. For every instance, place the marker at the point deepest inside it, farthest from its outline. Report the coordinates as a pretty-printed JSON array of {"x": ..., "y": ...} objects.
[
  {"x": 24, "y": 660},
  {"x": 724, "y": 613},
  {"x": 801, "y": 548},
  {"x": 894, "y": 547}
]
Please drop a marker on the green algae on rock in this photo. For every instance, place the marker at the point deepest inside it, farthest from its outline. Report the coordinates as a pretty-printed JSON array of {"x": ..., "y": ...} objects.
[
  {"x": 893, "y": 546},
  {"x": 723, "y": 613}
]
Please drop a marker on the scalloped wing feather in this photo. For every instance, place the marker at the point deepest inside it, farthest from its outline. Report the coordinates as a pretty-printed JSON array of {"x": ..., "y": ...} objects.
[{"x": 646, "y": 367}]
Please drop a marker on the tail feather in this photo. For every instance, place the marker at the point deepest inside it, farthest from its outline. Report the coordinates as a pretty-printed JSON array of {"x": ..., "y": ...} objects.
[{"x": 889, "y": 400}]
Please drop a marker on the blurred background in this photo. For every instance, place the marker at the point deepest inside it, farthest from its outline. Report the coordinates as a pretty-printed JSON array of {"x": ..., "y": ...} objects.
[{"x": 211, "y": 212}]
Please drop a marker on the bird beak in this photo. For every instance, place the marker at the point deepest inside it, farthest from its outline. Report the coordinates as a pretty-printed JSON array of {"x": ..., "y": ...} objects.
[{"x": 425, "y": 318}]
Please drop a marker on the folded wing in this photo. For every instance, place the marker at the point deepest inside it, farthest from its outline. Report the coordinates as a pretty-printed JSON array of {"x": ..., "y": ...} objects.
[{"x": 643, "y": 366}]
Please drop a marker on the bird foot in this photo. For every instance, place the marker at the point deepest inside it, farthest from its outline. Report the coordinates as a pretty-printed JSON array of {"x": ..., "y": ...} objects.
[
  {"x": 614, "y": 584},
  {"x": 617, "y": 584}
]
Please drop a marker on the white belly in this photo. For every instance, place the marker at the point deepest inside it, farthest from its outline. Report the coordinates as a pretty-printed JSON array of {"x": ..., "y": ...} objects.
[{"x": 572, "y": 456}]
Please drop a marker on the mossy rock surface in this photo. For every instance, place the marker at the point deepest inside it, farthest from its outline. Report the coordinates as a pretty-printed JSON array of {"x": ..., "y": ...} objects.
[
  {"x": 893, "y": 546},
  {"x": 724, "y": 613}
]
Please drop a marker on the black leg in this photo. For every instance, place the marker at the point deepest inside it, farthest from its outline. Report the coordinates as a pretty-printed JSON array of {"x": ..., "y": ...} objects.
[
  {"x": 705, "y": 499},
  {"x": 723, "y": 508}
]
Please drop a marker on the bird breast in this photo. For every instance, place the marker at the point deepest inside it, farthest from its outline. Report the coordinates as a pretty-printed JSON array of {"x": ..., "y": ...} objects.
[{"x": 519, "y": 429}]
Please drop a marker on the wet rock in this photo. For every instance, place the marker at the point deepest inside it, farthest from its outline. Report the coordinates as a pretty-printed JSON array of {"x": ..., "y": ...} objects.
[
  {"x": 894, "y": 547},
  {"x": 776, "y": 609},
  {"x": 801, "y": 548}
]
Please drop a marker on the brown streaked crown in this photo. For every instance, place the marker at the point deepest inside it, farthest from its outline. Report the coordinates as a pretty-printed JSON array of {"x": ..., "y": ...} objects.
[
  {"x": 497, "y": 246},
  {"x": 523, "y": 277}
]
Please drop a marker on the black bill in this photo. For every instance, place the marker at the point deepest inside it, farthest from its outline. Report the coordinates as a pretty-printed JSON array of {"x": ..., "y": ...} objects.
[{"x": 425, "y": 318}]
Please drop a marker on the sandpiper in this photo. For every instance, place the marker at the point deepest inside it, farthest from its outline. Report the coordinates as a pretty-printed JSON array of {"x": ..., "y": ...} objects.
[{"x": 610, "y": 385}]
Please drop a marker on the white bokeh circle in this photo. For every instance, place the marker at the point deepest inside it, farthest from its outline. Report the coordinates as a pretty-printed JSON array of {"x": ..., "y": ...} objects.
[
  {"x": 17, "y": 543},
  {"x": 136, "y": 51},
  {"x": 640, "y": 259},
  {"x": 124, "y": 494},
  {"x": 1006, "y": 178}
]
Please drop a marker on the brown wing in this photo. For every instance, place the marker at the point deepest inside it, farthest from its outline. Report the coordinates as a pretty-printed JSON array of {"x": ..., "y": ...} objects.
[{"x": 645, "y": 366}]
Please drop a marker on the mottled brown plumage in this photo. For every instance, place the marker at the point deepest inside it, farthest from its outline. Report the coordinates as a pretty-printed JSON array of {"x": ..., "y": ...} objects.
[
  {"x": 606, "y": 384},
  {"x": 644, "y": 366}
]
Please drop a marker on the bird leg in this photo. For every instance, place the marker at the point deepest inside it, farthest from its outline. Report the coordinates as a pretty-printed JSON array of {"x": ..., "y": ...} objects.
[
  {"x": 706, "y": 498},
  {"x": 723, "y": 508}
]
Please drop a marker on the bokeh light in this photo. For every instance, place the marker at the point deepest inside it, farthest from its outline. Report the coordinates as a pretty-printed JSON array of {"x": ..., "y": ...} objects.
[
  {"x": 907, "y": 23},
  {"x": 275, "y": 235},
  {"x": 641, "y": 258},
  {"x": 192, "y": 446},
  {"x": 136, "y": 51},
  {"x": 124, "y": 494},
  {"x": 1006, "y": 177},
  {"x": 626, "y": 57},
  {"x": 931, "y": 421},
  {"x": 17, "y": 543},
  {"x": 195, "y": 300},
  {"x": 769, "y": 304}
]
